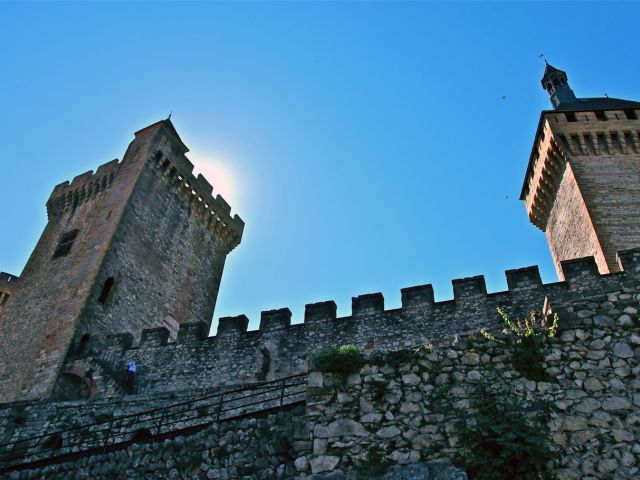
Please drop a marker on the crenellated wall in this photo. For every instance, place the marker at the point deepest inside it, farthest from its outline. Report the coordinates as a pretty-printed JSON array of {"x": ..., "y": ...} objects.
[{"x": 278, "y": 348}]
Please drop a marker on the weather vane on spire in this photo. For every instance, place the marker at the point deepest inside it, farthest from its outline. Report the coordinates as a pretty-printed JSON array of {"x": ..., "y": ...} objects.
[
  {"x": 542, "y": 55},
  {"x": 170, "y": 113}
]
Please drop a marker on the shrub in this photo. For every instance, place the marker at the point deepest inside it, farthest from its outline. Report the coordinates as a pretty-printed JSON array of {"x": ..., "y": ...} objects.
[
  {"x": 527, "y": 338},
  {"x": 502, "y": 440},
  {"x": 341, "y": 360}
]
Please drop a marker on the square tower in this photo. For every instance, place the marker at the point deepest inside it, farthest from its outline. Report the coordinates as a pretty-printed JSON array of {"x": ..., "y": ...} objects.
[
  {"x": 138, "y": 244},
  {"x": 582, "y": 185}
]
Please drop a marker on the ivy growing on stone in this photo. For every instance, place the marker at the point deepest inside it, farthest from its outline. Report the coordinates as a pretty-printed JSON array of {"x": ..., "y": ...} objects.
[
  {"x": 527, "y": 338},
  {"x": 505, "y": 437}
]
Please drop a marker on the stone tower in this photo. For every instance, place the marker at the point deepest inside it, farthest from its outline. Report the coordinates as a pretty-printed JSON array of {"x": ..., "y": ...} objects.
[
  {"x": 138, "y": 244},
  {"x": 582, "y": 185}
]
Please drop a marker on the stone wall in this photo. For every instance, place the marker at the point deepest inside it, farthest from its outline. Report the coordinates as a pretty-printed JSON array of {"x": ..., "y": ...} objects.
[
  {"x": 249, "y": 448},
  {"x": 401, "y": 406},
  {"x": 279, "y": 349},
  {"x": 570, "y": 232}
]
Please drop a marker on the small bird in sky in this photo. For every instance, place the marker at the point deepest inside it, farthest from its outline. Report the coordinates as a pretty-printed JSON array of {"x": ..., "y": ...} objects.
[{"x": 504, "y": 97}]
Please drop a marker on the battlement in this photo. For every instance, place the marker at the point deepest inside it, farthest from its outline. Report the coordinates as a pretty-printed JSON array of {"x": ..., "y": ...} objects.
[
  {"x": 278, "y": 347},
  {"x": 177, "y": 171},
  {"x": 7, "y": 279},
  {"x": 82, "y": 188},
  {"x": 580, "y": 274},
  {"x": 562, "y": 135}
]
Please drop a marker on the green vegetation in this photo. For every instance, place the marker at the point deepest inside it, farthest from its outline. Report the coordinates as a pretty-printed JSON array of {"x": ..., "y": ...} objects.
[
  {"x": 528, "y": 339},
  {"x": 505, "y": 438},
  {"x": 341, "y": 360}
]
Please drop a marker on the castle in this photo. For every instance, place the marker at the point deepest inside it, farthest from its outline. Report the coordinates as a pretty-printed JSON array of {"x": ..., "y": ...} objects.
[{"x": 131, "y": 259}]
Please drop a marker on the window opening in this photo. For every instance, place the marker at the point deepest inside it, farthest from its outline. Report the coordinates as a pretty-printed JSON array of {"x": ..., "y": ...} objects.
[
  {"x": 630, "y": 114},
  {"x": 571, "y": 117},
  {"x": 83, "y": 344},
  {"x": 65, "y": 243},
  {"x": 600, "y": 115},
  {"x": 106, "y": 288}
]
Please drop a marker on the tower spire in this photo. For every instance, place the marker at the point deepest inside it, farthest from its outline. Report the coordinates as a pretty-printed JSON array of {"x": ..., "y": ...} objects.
[{"x": 554, "y": 81}]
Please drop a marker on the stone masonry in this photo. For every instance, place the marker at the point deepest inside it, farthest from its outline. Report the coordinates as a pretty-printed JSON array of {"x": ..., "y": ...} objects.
[
  {"x": 582, "y": 187},
  {"x": 278, "y": 348},
  {"x": 138, "y": 244},
  {"x": 399, "y": 405}
]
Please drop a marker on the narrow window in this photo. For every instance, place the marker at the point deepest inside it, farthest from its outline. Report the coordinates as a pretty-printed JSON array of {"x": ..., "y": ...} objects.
[
  {"x": 631, "y": 114},
  {"x": 600, "y": 115},
  {"x": 571, "y": 117},
  {"x": 106, "y": 288},
  {"x": 5, "y": 297},
  {"x": 65, "y": 243},
  {"x": 82, "y": 344}
]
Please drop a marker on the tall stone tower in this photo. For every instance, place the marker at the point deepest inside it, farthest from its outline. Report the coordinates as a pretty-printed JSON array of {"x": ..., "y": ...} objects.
[
  {"x": 138, "y": 244},
  {"x": 582, "y": 186}
]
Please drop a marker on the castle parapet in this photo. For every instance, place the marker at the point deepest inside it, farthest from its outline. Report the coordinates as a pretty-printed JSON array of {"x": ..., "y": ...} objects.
[
  {"x": 417, "y": 297},
  {"x": 580, "y": 272},
  {"x": 229, "y": 326},
  {"x": 154, "y": 337},
  {"x": 469, "y": 288},
  {"x": 320, "y": 312},
  {"x": 82, "y": 188},
  {"x": 8, "y": 280},
  {"x": 523, "y": 278},
  {"x": 190, "y": 332},
  {"x": 279, "y": 348},
  {"x": 368, "y": 304},
  {"x": 275, "y": 319},
  {"x": 197, "y": 192}
]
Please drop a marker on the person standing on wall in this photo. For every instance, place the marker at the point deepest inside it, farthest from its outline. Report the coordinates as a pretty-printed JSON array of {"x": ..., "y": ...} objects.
[{"x": 132, "y": 368}]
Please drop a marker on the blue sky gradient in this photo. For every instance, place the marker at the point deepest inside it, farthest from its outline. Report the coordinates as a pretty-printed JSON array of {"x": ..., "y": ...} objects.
[{"x": 367, "y": 146}]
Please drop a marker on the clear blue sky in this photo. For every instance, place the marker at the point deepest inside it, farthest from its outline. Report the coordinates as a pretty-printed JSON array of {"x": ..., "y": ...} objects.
[{"x": 367, "y": 146}]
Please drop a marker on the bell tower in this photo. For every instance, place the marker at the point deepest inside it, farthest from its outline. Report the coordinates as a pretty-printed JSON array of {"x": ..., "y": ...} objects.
[{"x": 582, "y": 184}]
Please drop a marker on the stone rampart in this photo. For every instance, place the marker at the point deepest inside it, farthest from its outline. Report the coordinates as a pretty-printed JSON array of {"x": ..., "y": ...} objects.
[
  {"x": 247, "y": 448},
  {"x": 402, "y": 405},
  {"x": 279, "y": 348}
]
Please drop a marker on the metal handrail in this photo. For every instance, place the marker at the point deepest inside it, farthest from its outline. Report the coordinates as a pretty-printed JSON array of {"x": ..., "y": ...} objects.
[{"x": 160, "y": 418}]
